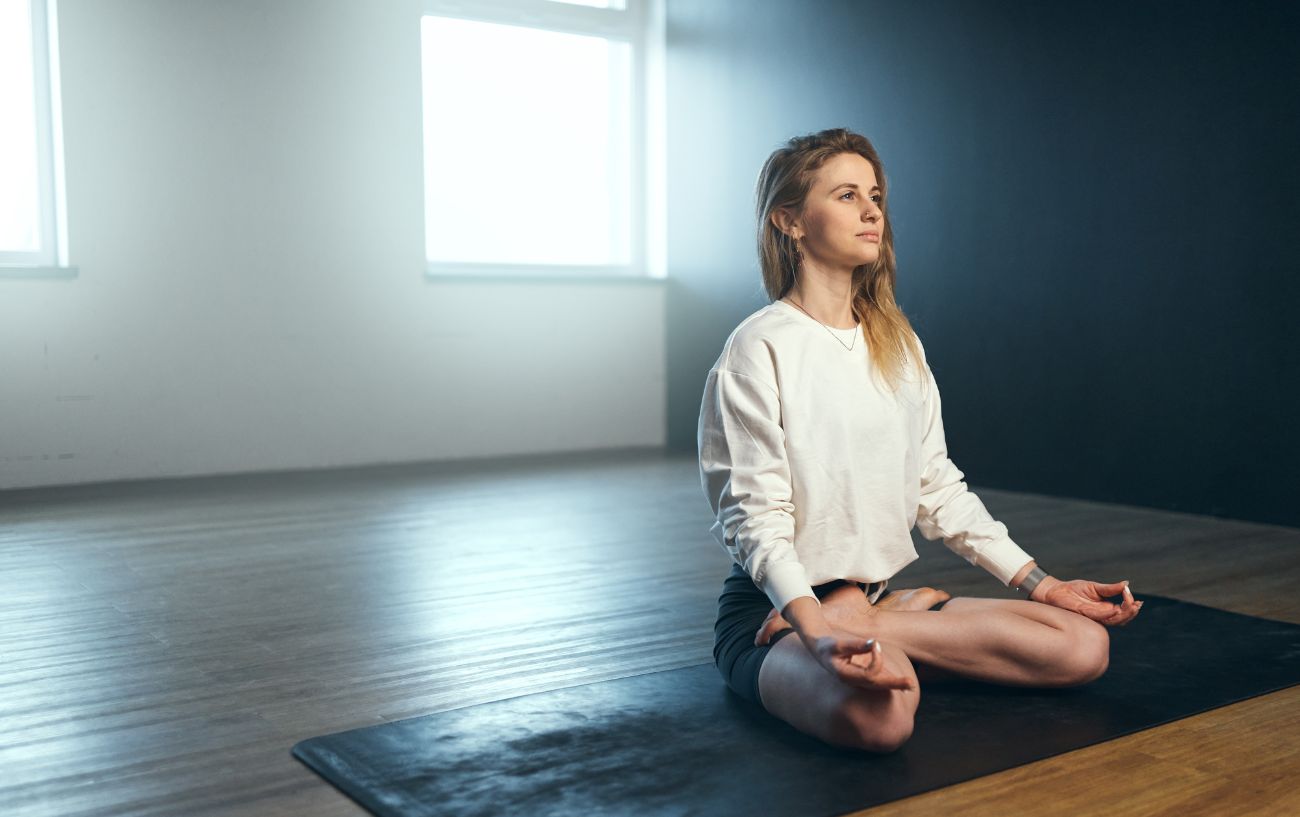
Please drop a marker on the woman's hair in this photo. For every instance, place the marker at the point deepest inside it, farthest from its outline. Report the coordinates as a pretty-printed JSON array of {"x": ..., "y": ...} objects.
[{"x": 785, "y": 180}]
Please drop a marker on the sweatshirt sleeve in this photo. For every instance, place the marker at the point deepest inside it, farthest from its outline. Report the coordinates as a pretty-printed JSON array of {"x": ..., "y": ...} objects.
[
  {"x": 948, "y": 510},
  {"x": 746, "y": 477}
]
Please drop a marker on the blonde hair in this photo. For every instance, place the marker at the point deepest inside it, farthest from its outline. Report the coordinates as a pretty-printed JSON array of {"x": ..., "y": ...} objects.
[{"x": 784, "y": 182}]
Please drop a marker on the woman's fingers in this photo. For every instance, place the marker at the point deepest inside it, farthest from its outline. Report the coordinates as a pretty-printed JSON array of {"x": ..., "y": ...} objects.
[
  {"x": 859, "y": 662},
  {"x": 860, "y": 677},
  {"x": 1130, "y": 608},
  {"x": 1101, "y": 611},
  {"x": 1112, "y": 589},
  {"x": 1119, "y": 616},
  {"x": 872, "y": 670},
  {"x": 1088, "y": 599},
  {"x": 1122, "y": 618},
  {"x": 1125, "y": 612},
  {"x": 869, "y": 650},
  {"x": 1137, "y": 605},
  {"x": 1130, "y": 605}
]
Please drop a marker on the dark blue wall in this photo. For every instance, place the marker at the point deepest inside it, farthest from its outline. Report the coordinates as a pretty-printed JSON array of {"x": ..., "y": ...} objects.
[{"x": 1096, "y": 212}]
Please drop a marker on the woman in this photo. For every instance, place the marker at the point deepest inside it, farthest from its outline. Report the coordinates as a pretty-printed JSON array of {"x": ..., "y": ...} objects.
[{"x": 821, "y": 445}]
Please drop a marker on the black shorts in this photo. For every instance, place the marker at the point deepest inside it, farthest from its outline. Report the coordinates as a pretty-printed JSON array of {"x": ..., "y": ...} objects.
[{"x": 742, "y": 607}]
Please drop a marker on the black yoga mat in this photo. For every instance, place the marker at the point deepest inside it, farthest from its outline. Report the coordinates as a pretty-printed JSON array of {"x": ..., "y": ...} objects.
[{"x": 678, "y": 742}]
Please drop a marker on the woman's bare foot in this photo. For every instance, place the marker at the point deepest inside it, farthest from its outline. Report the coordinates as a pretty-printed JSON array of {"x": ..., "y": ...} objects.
[
  {"x": 847, "y": 608},
  {"x": 841, "y": 606},
  {"x": 920, "y": 598}
]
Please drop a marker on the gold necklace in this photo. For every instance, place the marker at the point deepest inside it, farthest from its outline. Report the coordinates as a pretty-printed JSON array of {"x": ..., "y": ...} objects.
[{"x": 828, "y": 329}]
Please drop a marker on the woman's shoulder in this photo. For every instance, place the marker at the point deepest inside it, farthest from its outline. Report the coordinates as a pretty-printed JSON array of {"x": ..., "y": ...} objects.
[
  {"x": 774, "y": 325},
  {"x": 757, "y": 341}
]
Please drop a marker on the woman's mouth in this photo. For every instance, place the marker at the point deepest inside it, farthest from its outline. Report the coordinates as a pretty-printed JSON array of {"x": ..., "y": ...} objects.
[{"x": 869, "y": 236}]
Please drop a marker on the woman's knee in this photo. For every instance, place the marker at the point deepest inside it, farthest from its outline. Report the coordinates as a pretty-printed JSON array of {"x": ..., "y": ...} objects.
[
  {"x": 864, "y": 723},
  {"x": 875, "y": 729},
  {"x": 1087, "y": 653}
]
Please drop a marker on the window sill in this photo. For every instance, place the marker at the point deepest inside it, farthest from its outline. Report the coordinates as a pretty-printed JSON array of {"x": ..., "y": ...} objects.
[
  {"x": 537, "y": 273},
  {"x": 18, "y": 271}
]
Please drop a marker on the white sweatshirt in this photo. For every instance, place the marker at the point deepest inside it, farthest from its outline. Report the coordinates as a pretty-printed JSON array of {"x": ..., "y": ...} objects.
[{"x": 815, "y": 472}]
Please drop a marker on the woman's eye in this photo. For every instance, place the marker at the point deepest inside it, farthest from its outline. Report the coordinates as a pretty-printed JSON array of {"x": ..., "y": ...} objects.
[{"x": 877, "y": 198}]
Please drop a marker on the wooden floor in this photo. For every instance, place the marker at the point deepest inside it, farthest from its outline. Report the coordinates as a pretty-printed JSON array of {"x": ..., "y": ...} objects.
[{"x": 164, "y": 644}]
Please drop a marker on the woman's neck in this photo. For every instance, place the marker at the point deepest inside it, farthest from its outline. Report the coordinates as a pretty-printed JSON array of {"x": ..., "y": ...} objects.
[{"x": 832, "y": 304}]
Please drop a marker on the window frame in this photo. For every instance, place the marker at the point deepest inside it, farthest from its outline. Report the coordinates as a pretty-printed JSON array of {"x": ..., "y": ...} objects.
[
  {"x": 640, "y": 25},
  {"x": 51, "y": 259}
]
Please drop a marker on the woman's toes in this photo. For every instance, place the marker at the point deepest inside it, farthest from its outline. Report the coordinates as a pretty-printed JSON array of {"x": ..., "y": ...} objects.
[{"x": 773, "y": 624}]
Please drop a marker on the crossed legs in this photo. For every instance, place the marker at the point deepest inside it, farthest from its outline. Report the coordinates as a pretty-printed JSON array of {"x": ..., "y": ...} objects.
[{"x": 1014, "y": 642}]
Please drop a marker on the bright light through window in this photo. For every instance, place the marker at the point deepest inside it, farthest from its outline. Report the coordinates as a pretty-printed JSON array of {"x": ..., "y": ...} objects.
[
  {"x": 600, "y": 4},
  {"x": 19, "y": 202},
  {"x": 527, "y": 145}
]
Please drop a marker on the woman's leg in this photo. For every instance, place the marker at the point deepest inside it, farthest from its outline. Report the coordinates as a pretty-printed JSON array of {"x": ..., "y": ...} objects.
[
  {"x": 796, "y": 688},
  {"x": 1011, "y": 641}
]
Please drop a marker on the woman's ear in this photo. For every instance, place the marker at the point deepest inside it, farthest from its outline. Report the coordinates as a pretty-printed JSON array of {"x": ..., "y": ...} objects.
[{"x": 783, "y": 220}]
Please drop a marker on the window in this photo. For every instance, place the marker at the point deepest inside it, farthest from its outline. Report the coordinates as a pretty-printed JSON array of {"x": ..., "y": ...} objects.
[
  {"x": 541, "y": 146},
  {"x": 31, "y": 205}
]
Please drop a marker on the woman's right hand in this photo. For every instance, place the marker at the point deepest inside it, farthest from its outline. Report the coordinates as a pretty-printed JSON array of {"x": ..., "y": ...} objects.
[{"x": 857, "y": 662}]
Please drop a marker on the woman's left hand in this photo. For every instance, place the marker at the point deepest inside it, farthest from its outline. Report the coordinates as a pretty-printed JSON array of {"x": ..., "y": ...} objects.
[{"x": 1088, "y": 599}]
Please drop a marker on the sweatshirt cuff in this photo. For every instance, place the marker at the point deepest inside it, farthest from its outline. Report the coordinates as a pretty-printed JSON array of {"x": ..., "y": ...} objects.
[
  {"x": 1003, "y": 558},
  {"x": 786, "y": 581}
]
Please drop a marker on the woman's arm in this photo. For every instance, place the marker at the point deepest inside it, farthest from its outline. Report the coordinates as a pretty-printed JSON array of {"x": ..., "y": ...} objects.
[
  {"x": 805, "y": 615},
  {"x": 746, "y": 477},
  {"x": 1039, "y": 592},
  {"x": 1084, "y": 597}
]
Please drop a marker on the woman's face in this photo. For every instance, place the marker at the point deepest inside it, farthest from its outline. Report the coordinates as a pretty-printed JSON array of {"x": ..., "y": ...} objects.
[{"x": 842, "y": 223}]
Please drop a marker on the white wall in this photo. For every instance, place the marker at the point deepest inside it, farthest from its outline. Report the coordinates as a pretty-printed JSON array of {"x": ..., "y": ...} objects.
[{"x": 246, "y": 213}]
